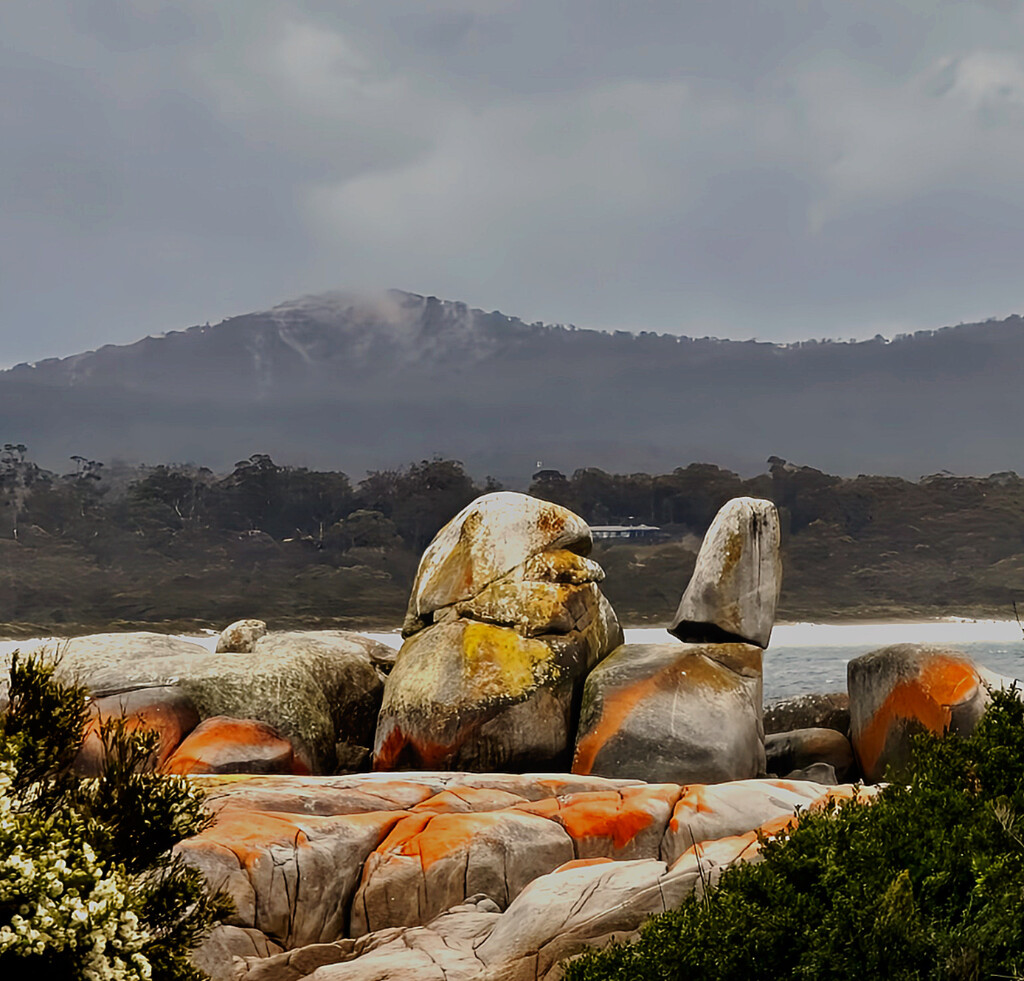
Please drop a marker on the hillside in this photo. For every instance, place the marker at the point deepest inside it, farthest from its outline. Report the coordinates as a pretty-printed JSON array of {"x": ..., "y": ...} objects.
[
  {"x": 179, "y": 546},
  {"x": 360, "y": 383}
]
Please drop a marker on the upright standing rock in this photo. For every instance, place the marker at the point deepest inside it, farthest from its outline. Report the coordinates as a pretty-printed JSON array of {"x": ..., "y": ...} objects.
[
  {"x": 735, "y": 584},
  {"x": 505, "y": 620}
]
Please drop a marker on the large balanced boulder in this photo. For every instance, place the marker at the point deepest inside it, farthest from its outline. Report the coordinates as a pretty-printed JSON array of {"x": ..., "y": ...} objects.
[
  {"x": 686, "y": 713},
  {"x": 898, "y": 691},
  {"x": 318, "y": 689},
  {"x": 734, "y": 588},
  {"x": 504, "y": 622},
  {"x": 240, "y": 637}
]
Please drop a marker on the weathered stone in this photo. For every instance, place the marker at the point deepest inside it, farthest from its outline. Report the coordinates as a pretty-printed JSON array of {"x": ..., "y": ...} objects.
[
  {"x": 240, "y": 637},
  {"x": 801, "y": 748},
  {"x": 735, "y": 584},
  {"x": 315, "y": 688},
  {"x": 223, "y": 954},
  {"x": 223, "y": 745},
  {"x": 164, "y": 710},
  {"x": 431, "y": 861},
  {"x": 484, "y": 541},
  {"x": 829, "y": 711},
  {"x": 686, "y": 713},
  {"x": 291, "y": 876},
  {"x": 725, "y": 810},
  {"x": 898, "y": 691},
  {"x": 821, "y": 773}
]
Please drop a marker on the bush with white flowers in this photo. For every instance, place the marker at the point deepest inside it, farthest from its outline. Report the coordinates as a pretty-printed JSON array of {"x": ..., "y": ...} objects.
[{"x": 89, "y": 888}]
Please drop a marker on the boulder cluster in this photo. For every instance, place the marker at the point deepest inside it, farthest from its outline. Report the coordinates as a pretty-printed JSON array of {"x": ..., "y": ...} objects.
[{"x": 516, "y": 783}]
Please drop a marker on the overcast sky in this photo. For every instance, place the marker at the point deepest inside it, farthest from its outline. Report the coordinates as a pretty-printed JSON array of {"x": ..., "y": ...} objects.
[{"x": 773, "y": 170}]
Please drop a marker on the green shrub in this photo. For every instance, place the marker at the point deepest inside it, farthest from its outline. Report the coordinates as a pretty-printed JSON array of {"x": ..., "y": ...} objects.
[
  {"x": 925, "y": 883},
  {"x": 89, "y": 888}
]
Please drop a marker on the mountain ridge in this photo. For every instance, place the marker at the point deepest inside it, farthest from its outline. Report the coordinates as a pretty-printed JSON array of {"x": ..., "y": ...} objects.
[{"x": 365, "y": 381}]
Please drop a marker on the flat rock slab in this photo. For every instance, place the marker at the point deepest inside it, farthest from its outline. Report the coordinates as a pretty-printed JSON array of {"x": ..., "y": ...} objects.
[{"x": 327, "y": 860}]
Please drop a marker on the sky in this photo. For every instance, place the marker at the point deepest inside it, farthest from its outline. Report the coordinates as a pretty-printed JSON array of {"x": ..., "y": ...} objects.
[{"x": 781, "y": 170}]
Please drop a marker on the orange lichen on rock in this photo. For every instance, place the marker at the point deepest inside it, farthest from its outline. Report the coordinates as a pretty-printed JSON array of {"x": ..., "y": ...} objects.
[
  {"x": 431, "y": 837},
  {"x": 582, "y": 863},
  {"x": 721, "y": 851},
  {"x": 224, "y": 745},
  {"x": 693, "y": 800},
  {"x": 927, "y": 699},
  {"x": 250, "y": 833},
  {"x": 618, "y": 816},
  {"x": 462, "y": 799}
]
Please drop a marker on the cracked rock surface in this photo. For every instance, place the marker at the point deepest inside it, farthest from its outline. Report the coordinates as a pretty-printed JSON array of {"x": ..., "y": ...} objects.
[{"x": 461, "y": 875}]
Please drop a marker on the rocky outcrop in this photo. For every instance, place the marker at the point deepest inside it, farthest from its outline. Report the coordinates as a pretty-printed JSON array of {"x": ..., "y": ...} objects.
[
  {"x": 901, "y": 690},
  {"x": 472, "y": 876},
  {"x": 240, "y": 637},
  {"x": 505, "y": 620},
  {"x": 318, "y": 689},
  {"x": 803, "y": 748},
  {"x": 687, "y": 713},
  {"x": 817, "y": 711},
  {"x": 735, "y": 584}
]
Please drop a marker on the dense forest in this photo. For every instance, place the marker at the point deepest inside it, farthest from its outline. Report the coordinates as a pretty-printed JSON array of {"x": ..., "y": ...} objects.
[{"x": 178, "y": 546}]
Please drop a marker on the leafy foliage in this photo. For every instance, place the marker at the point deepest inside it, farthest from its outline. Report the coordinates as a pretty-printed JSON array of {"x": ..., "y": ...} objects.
[
  {"x": 89, "y": 887},
  {"x": 927, "y": 882}
]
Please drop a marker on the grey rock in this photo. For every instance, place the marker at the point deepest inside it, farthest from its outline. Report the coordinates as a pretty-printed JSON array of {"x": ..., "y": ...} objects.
[
  {"x": 685, "y": 713},
  {"x": 734, "y": 588},
  {"x": 801, "y": 748},
  {"x": 828, "y": 711}
]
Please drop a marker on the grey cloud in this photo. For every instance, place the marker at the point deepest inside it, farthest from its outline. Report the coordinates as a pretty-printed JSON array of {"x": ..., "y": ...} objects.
[{"x": 779, "y": 171}]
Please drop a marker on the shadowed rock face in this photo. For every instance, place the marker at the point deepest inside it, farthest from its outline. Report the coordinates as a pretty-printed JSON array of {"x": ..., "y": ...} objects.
[
  {"x": 732, "y": 594},
  {"x": 803, "y": 748},
  {"x": 901, "y": 690},
  {"x": 505, "y": 619},
  {"x": 689, "y": 713}
]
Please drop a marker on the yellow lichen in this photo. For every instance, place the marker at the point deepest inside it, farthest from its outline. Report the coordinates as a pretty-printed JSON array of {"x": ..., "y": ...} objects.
[{"x": 500, "y": 663}]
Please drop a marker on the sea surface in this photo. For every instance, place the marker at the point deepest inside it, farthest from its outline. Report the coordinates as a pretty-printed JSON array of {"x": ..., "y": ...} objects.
[{"x": 805, "y": 657}]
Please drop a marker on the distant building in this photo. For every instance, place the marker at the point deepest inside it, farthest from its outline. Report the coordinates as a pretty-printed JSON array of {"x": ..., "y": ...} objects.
[{"x": 624, "y": 531}]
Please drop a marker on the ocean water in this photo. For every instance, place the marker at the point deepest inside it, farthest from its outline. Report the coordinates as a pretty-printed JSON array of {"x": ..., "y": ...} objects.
[{"x": 805, "y": 657}]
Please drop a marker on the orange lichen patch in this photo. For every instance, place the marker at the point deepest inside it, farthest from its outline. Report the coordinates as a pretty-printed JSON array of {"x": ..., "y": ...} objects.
[
  {"x": 721, "y": 851},
  {"x": 700, "y": 672},
  {"x": 463, "y": 799},
  {"x": 250, "y": 833},
  {"x": 581, "y": 863},
  {"x": 171, "y": 720},
  {"x": 776, "y": 826},
  {"x": 403, "y": 749},
  {"x": 618, "y": 816},
  {"x": 431, "y": 837},
  {"x": 218, "y": 741},
  {"x": 693, "y": 800},
  {"x": 927, "y": 699}
]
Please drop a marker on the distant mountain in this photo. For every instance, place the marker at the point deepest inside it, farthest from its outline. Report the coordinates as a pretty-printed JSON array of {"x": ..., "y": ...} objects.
[{"x": 355, "y": 382}]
